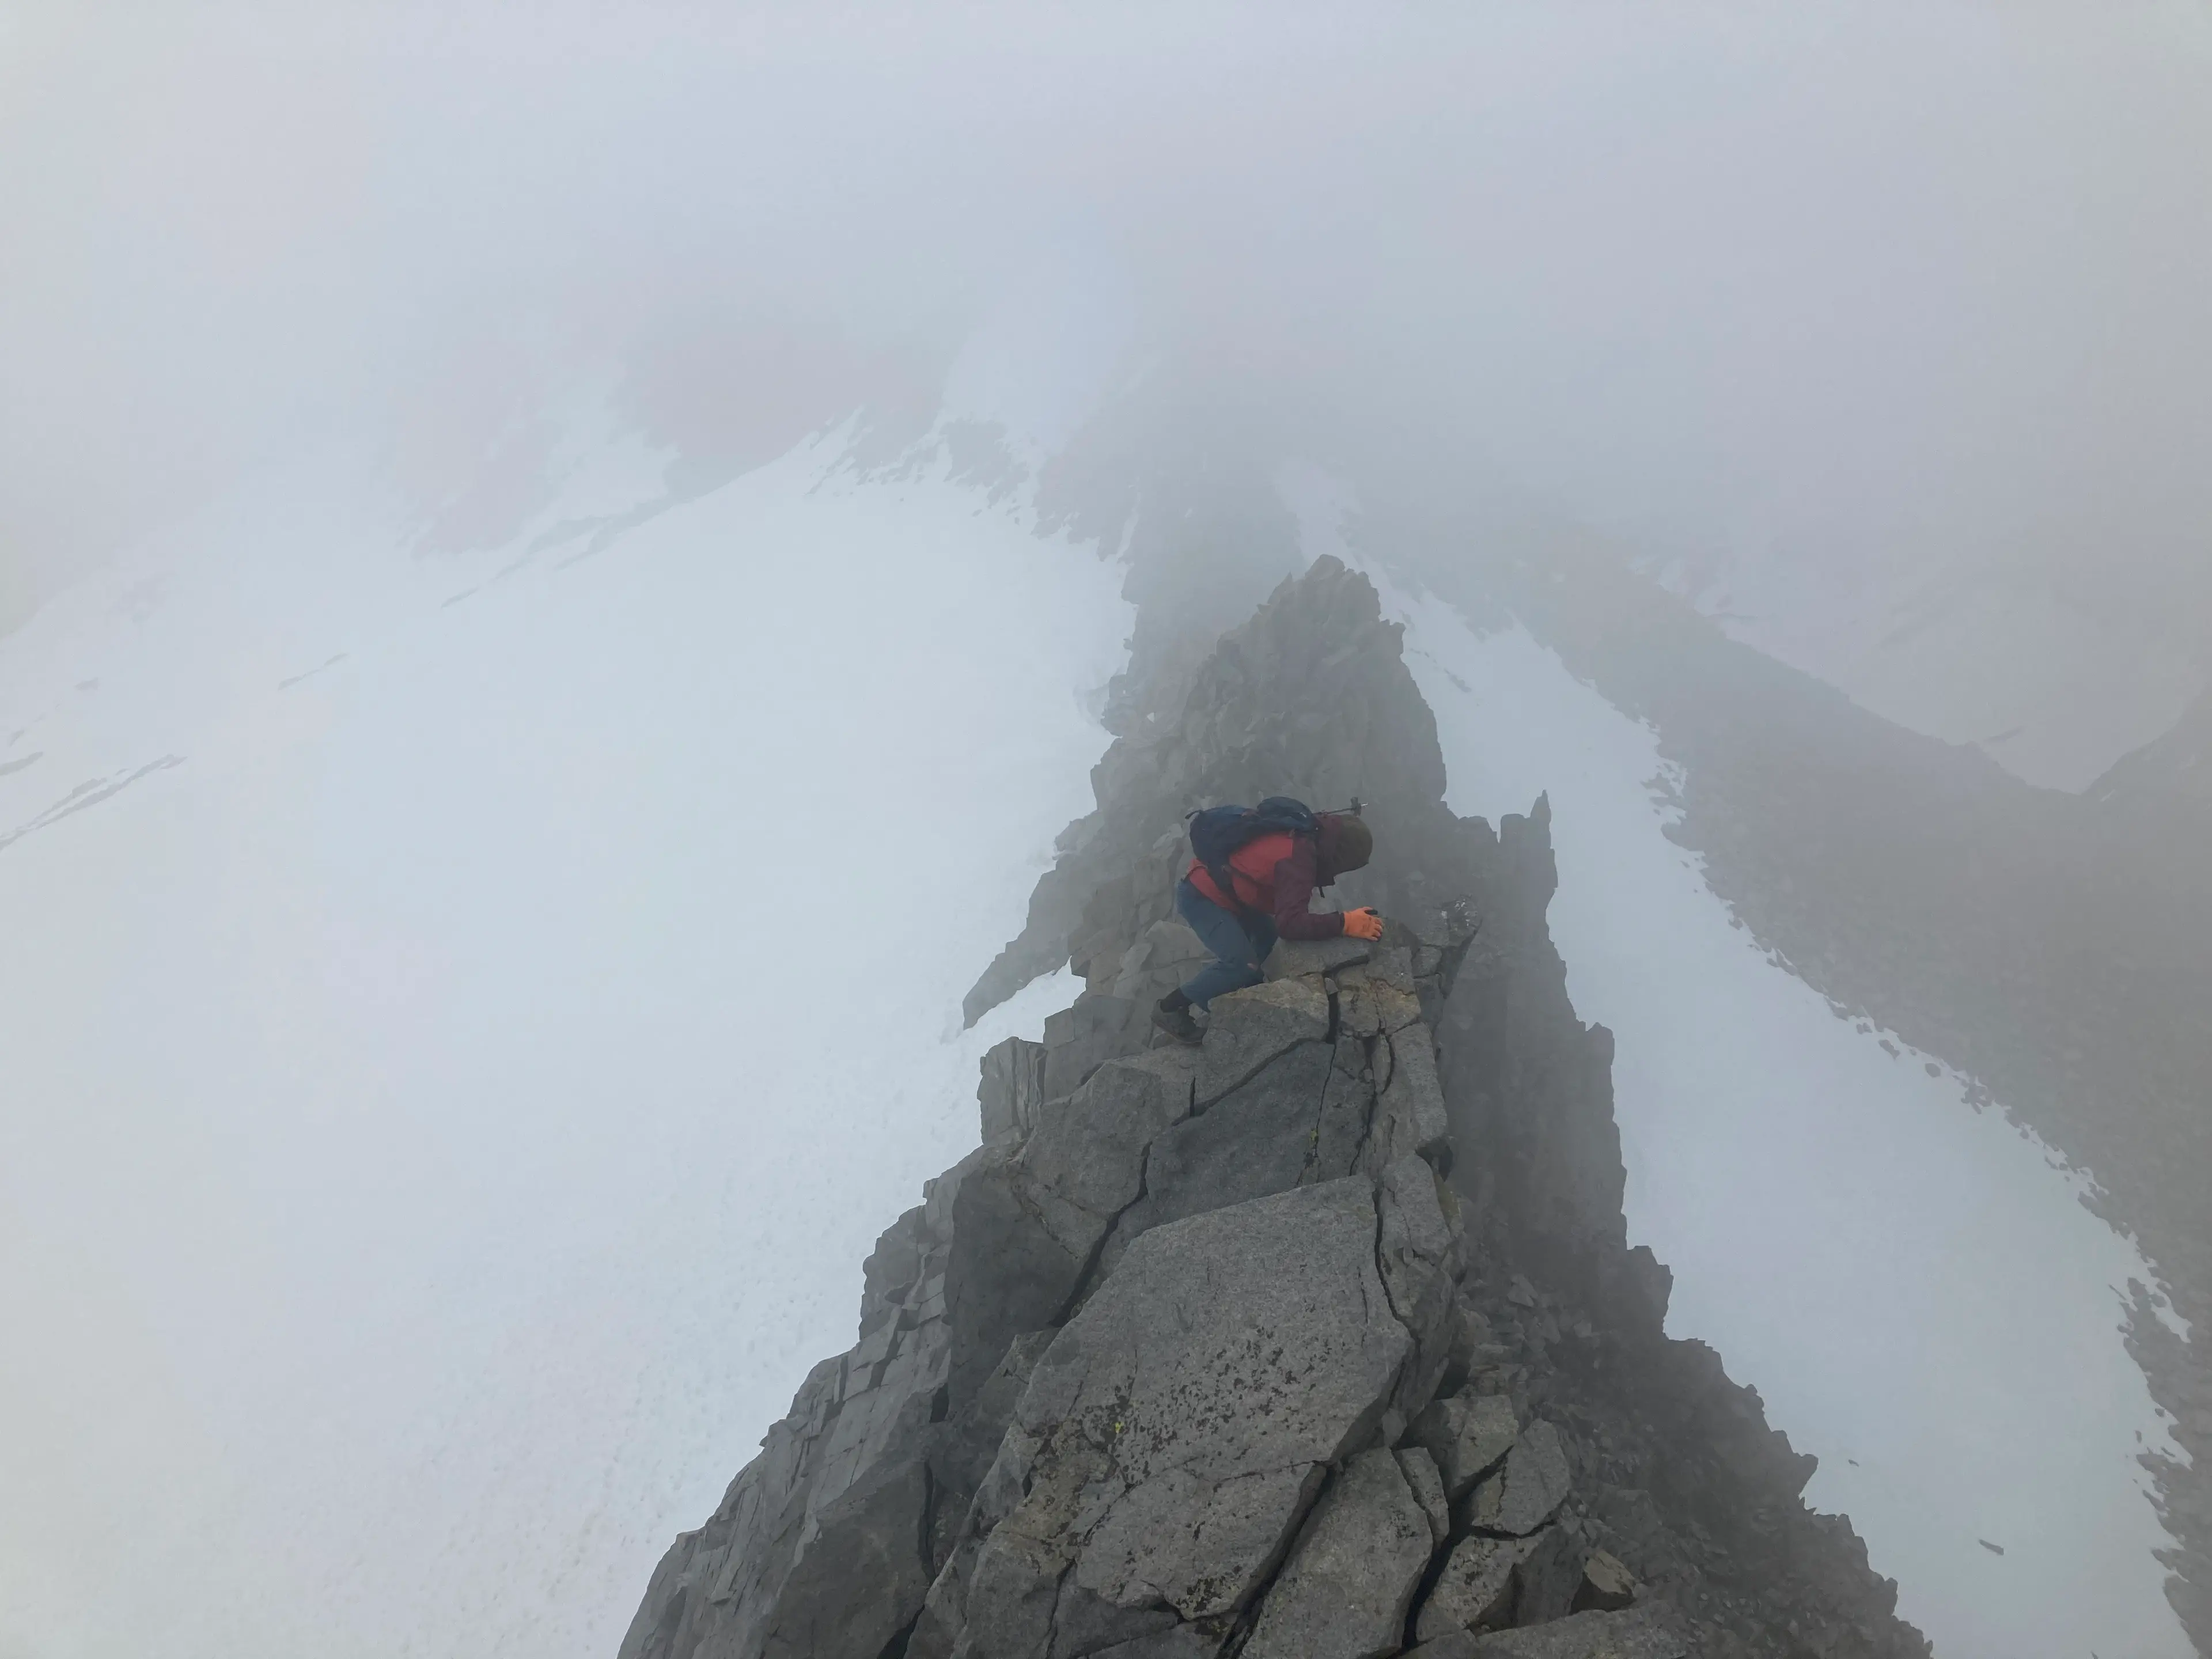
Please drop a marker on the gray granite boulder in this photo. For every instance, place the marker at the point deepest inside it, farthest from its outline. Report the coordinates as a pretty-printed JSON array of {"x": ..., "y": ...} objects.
[
  {"x": 1083, "y": 1623},
  {"x": 1608, "y": 1585},
  {"x": 1245, "y": 1030},
  {"x": 1475, "y": 1588},
  {"x": 869, "y": 1534},
  {"x": 1078, "y": 1040},
  {"x": 1368, "y": 1006},
  {"x": 1528, "y": 1490},
  {"x": 1087, "y": 1153},
  {"x": 1172, "y": 1437},
  {"x": 1350, "y": 1575},
  {"x": 1428, "y": 1489},
  {"x": 1011, "y": 1089},
  {"x": 1009, "y": 1271},
  {"x": 1638, "y": 1633},
  {"x": 1409, "y": 1116},
  {"x": 1026, "y": 1224},
  {"x": 1418, "y": 1250},
  {"x": 1468, "y": 1435},
  {"x": 1347, "y": 1107},
  {"x": 1181, "y": 1641},
  {"x": 963, "y": 1448},
  {"x": 1258, "y": 1139},
  {"x": 1300, "y": 959},
  {"x": 1545, "y": 1583}
]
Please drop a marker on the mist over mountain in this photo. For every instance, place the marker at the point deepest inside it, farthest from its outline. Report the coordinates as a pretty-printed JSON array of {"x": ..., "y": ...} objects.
[
  {"x": 559, "y": 579},
  {"x": 1882, "y": 329}
]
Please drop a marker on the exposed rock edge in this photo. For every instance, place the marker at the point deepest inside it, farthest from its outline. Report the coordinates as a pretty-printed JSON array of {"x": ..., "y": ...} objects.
[{"x": 1323, "y": 1340}]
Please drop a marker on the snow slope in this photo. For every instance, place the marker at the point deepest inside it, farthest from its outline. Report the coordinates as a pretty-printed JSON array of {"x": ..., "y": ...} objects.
[
  {"x": 390, "y": 1262},
  {"x": 1913, "y": 1287}
]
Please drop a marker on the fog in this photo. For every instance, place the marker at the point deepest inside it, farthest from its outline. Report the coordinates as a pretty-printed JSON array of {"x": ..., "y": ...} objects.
[
  {"x": 447, "y": 1121},
  {"x": 1893, "y": 1272},
  {"x": 1906, "y": 304},
  {"x": 1882, "y": 333}
]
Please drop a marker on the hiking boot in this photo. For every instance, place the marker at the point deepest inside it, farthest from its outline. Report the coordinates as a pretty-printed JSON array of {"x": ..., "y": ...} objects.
[{"x": 1178, "y": 1024}]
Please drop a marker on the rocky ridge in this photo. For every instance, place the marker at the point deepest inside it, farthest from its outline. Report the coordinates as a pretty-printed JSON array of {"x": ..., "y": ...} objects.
[{"x": 1320, "y": 1339}]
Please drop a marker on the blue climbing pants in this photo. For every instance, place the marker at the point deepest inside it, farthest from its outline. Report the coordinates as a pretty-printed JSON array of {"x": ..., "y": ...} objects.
[{"x": 1239, "y": 945}]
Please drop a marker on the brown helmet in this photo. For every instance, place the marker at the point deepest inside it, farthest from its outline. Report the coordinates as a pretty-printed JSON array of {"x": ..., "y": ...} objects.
[{"x": 1346, "y": 844}]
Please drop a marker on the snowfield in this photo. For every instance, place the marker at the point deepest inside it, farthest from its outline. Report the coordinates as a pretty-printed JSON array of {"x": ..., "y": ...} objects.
[
  {"x": 468, "y": 1019},
  {"x": 1913, "y": 1287}
]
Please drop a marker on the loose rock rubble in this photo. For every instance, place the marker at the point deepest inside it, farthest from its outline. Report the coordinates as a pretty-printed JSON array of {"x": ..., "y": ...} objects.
[{"x": 1319, "y": 1340}]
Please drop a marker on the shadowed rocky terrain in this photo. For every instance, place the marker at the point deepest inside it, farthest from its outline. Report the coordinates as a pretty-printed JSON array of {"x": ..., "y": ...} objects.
[{"x": 1320, "y": 1339}]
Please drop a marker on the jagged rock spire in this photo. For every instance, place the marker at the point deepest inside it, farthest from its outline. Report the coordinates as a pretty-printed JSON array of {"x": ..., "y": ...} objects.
[{"x": 1319, "y": 1341}]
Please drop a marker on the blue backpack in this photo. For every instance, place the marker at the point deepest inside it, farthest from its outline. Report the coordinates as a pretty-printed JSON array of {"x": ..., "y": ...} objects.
[{"x": 1217, "y": 831}]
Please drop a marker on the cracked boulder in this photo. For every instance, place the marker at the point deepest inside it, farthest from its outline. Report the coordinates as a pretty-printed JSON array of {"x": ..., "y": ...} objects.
[
  {"x": 1351, "y": 1577},
  {"x": 1607, "y": 1586},
  {"x": 1347, "y": 1106},
  {"x": 1171, "y": 1438},
  {"x": 1086, "y": 1163},
  {"x": 1010, "y": 1272},
  {"x": 1259, "y": 1139},
  {"x": 1409, "y": 1117},
  {"x": 1416, "y": 1249},
  {"x": 1011, "y": 1091},
  {"x": 1428, "y": 1489},
  {"x": 1638, "y": 1633},
  {"x": 1378, "y": 996},
  {"x": 1529, "y": 1490},
  {"x": 869, "y": 1536},
  {"x": 1300, "y": 959},
  {"x": 1544, "y": 1585},
  {"x": 1474, "y": 1591},
  {"x": 1247, "y": 1029},
  {"x": 1084, "y": 1624},
  {"x": 1027, "y": 1223},
  {"x": 1081, "y": 1038},
  {"x": 1182, "y": 1642},
  {"x": 1468, "y": 1435}
]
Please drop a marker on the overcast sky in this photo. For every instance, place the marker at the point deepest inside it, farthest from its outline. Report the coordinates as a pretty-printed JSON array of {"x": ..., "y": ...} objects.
[{"x": 1900, "y": 289}]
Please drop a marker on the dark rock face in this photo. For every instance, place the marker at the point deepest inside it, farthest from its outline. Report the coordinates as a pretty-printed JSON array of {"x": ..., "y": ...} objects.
[{"x": 1314, "y": 1341}]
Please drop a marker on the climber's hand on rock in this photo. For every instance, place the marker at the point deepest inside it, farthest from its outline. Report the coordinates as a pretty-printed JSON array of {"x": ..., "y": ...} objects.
[{"x": 1361, "y": 924}]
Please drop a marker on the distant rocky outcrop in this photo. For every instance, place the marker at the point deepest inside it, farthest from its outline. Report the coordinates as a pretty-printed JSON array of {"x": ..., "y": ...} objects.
[{"x": 1319, "y": 1340}]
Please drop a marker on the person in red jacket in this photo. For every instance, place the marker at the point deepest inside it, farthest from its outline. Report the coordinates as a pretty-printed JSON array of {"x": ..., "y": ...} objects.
[{"x": 1276, "y": 876}]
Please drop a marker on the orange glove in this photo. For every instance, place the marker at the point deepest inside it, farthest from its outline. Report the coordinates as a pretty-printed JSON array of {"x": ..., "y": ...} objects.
[{"x": 1361, "y": 924}]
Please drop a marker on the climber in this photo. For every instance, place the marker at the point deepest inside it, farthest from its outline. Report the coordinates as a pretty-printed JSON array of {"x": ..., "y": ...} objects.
[{"x": 1273, "y": 857}]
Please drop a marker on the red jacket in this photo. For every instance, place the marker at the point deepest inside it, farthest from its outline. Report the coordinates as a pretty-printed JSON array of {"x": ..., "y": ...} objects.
[{"x": 1276, "y": 875}]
